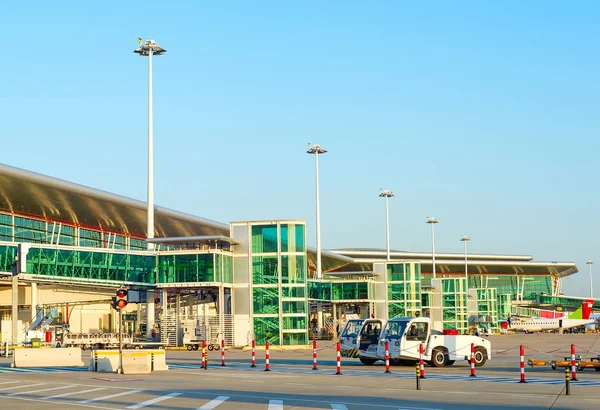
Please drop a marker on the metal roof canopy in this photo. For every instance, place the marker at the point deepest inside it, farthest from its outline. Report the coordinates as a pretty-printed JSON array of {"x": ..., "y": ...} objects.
[
  {"x": 194, "y": 241},
  {"x": 368, "y": 274},
  {"x": 29, "y": 193},
  {"x": 477, "y": 267}
]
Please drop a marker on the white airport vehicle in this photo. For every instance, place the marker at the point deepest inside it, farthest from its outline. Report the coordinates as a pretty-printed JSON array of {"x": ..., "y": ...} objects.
[
  {"x": 581, "y": 317},
  {"x": 405, "y": 335},
  {"x": 351, "y": 339}
]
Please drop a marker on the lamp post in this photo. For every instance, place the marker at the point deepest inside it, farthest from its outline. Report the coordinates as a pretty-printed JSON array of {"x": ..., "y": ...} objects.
[
  {"x": 384, "y": 193},
  {"x": 432, "y": 221},
  {"x": 591, "y": 262},
  {"x": 148, "y": 49},
  {"x": 466, "y": 239},
  {"x": 316, "y": 150}
]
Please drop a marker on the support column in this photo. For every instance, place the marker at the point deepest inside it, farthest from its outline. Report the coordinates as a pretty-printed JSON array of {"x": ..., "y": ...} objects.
[
  {"x": 178, "y": 317},
  {"x": 320, "y": 317},
  {"x": 150, "y": 319},
  {"x": 33, "y": 300},
  {"x": 221, "y": 306},
  {"x": 15, "y": 310}
]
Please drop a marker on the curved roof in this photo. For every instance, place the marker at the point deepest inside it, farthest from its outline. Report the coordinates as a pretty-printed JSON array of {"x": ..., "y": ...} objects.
[
  {"x": 454, "y": 263},
  {"x": 29, "y": 193}
]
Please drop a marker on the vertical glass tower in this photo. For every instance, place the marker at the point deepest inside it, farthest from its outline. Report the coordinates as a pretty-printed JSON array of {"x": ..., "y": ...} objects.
[{"x": 273, "y": 267}]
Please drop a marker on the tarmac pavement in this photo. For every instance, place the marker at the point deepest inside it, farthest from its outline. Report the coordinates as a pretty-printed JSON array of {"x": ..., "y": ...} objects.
[{"x": 292, "y": 384}]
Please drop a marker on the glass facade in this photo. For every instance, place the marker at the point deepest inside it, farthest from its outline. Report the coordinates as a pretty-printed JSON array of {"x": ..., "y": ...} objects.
[
  {"x": 487, "y": 308},
  {"x": 403, "y": 289},
  {"x": 278, "y": 257},
  {"x": 195, "y": 267},
  {"x": 36, "y": 230},
  {"x": 454, "y": 304},
  {"x": 264, "y": 238},
  {"x": 86, "y": 265}
]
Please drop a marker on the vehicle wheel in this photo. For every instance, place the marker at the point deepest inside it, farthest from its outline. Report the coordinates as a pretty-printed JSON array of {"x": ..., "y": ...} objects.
[
  {"x": 554, "y": 367},
  {"x": 58, "y": 344},
  {"x": 210, "y": 348},
  {"x": 480, "y": 356},
  {"x": 367, "y": 362},
  {"x": 598, "y": 369},
  {"x": 137, "y": 347},
  {"x": 450, "y": 362},
  {"x": 196, "y": 347},
  {"x": 83, "y": 347},
  {"x": 190, "y": 347},
  {"x": 439, "y": 357}
]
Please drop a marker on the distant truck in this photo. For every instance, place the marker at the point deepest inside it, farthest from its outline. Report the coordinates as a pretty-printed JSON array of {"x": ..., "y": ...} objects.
[{"x": 404, "y": 336}]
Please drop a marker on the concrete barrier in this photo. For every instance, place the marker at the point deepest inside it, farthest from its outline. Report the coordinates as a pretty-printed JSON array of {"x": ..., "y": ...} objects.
[
  {"x": 158, "y": 360},
  {"x": 104, "y": 361},
  {"x": 136, "y": 363},
  {"x": 47, "y": 357}
]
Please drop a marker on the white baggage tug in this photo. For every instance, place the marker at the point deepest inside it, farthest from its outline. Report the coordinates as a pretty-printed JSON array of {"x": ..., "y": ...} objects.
[{"x": 404, "y": 336}]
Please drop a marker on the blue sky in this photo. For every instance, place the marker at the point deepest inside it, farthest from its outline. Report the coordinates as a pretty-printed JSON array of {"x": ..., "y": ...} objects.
[{"x": 482, "y": 114}]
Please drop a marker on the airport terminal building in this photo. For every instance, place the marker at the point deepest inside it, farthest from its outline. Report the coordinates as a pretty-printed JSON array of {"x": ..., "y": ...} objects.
[{"x": 239, "y": 281}]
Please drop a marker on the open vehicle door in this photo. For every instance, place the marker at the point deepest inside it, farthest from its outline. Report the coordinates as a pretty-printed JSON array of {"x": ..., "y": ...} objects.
[{"x": 416, "y": 332}]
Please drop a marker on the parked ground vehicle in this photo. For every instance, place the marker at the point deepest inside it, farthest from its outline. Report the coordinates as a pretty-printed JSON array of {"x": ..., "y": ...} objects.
[{"x": 405, "y": 335}]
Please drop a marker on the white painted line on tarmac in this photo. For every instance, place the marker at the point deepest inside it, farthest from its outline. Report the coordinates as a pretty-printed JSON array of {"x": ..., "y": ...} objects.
[
  {"x": 36, "y": 391},
  {"x": 275, "y": 404},
  {"x": 154, "y": 400},
  {"x": 111, "y": 396},
  {"x": 417, "y": 408},
  {"x": 20, "y": 387},
  {"x": 299, "y": 384},
  {"x": 214, "y": 403},
  {"x": 338, "y": 407},
  {"x": 14, "y": 381},
  {"x": 73, "y": 393}
]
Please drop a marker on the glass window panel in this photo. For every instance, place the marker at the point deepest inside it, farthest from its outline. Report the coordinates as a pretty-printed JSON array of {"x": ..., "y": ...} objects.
[
  {"x": 293, "y": 292},
  {"x": 266, "y": 329},
  {"x": 293, "y": 269},
  {"x": 294, "y": 323},
  {"x": 293, "y": 307},
  {"x": 227, "y": 269},
  {"x": 6, "y": 227},
  {"x": 319, "y": 290},
  {"x": 295, "y": 338},
  {"x": 395, "y": 272},
  {"x": 265, "y": 301},
  {"x": 264, "y": 238},
  {"x": 265, "y": 270}
]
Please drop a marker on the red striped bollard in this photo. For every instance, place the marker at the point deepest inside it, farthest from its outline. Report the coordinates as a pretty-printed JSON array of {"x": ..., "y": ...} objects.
[
  {"x": 203, "y": 355},
  {"x": 573, "y": 365},
  {"x": 472, "y": 360},
  {"x": 421, "y": 361},
  {"x": 315, "y": 355},
  {"x": 339, "y": 360},
  {"x": 267, "y": 365},
  {"x": 223, "y": 352},
  {"x": 253, "y": 354},
  {"x": 522, "y": 354},
  {"x": 387, "y": 358}
]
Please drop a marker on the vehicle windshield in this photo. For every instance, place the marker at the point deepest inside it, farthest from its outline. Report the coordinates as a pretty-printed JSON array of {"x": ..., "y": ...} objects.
[
  {"x": 394, "y": 329},
  {"x": 352, "y": 328}
]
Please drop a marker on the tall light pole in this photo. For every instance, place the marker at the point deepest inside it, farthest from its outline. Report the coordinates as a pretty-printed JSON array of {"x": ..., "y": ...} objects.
[
  {"x": 432, "y": 222},
  {"x": 148, "y": 49},
  {"x": 384, "y": 193},
  {"x": 466, "y": 239},
  {"x": 590, "y": 262},
  {"x": 316, "y": 150}
]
